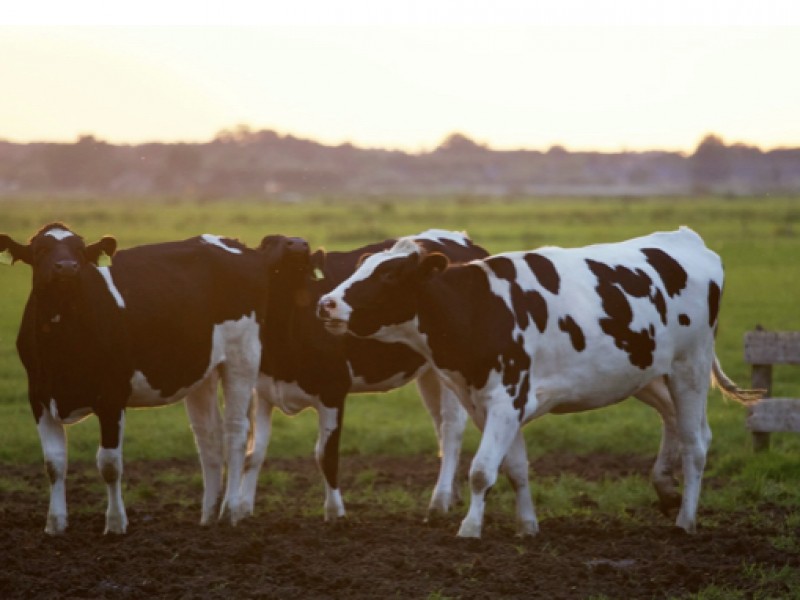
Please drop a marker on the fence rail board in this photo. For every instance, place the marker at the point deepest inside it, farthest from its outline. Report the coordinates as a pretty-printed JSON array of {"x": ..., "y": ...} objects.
[{"x": 762, "y": 349}]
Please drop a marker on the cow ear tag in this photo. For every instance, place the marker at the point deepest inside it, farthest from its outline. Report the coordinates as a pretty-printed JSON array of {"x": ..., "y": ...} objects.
[
  {"x": 317, "y": 274},
  {"x": 6, "y": 258},
  {"x": 104, "y": 260}
]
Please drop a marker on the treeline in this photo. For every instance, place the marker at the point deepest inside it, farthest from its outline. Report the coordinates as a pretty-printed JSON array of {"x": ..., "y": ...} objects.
[{"x": 242, "y": 161}]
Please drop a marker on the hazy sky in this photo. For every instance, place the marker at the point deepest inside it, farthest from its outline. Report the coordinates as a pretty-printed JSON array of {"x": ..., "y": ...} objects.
[{"x": 585, "y": 74}]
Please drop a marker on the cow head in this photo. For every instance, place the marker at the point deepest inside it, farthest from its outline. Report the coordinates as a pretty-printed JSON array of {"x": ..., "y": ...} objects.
[
  {"x": 289, "y": 264},
  {"x": 56, "y": 254},
  {"x": 382, "y": 292}
]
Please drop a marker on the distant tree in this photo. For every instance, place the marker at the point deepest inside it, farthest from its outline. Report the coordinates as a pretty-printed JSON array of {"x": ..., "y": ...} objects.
[
  {"x": 86, "y": 164},
  {"x": 710, "y": 164},
  {"x": 459, "y": 143}
]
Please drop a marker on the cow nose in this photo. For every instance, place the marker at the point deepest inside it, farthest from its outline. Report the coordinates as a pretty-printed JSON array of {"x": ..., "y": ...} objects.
[
  {"x": 296, "y": 245},
  {"x": 326, "y": 305},
  {"x": 66, "y": 268}
]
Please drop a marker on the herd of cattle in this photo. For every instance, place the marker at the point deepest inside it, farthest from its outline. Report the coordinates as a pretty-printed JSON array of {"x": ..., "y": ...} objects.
[{"x": 502, "y": 339}]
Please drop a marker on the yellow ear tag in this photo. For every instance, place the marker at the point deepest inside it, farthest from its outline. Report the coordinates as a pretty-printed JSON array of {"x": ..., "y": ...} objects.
[
  {"x": 104, "y": 260},
  {"x": 6, "y": 258},
  {"x": 318, "y": 275}
]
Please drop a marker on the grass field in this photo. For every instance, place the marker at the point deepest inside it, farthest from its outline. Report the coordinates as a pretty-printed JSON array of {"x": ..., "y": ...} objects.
[{"x": 758, "y": 239}]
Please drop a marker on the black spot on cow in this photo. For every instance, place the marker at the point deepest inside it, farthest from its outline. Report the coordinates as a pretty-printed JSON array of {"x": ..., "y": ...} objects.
[
  {"x": 544, "y": 270},
  {"x": 671, "y": 272},
  {"x": 527, "y": 304},
  {"x": 684, "y": 320},
  {"x": 614, "y": 285},
  {"x": 714, "y": 294},
  {"x": 503, "y": 267},
  {"x": 660, "y": 304},
  {"x": 570, "y": 327},
  {"x": 521, "y": 398}
]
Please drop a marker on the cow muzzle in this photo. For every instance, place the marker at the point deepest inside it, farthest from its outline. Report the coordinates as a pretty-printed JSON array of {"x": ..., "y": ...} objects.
[
  {"x": 65, "y": 270},
  {"x": 330, "y": 313}
]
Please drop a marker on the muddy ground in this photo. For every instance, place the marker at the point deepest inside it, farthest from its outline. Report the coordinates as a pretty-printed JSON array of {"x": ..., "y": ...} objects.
[{"x": 382, "y": 551}]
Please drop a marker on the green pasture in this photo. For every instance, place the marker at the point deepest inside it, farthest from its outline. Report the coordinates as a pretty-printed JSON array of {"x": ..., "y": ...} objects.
[{"x": 758, "y": 239}]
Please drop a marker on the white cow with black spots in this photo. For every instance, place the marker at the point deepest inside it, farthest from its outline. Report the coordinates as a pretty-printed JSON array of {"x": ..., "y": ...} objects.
[{"x": 556, "y": 330}]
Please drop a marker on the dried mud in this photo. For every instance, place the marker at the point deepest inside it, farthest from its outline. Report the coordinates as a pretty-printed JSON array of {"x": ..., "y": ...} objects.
[{"x": 381, "y": 551}]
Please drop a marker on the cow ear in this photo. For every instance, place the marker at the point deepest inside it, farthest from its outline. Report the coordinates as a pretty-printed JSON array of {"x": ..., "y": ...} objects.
[
  {"x": 362, "y": 258},
  {"x": 107, "y": 245},
  {"x": 432, "y": 264},
  {"x": 15, "y": 249}
]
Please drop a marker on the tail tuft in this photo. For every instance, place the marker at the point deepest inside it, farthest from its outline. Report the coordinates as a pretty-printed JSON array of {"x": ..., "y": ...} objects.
[{"x": 730, "y": 390}]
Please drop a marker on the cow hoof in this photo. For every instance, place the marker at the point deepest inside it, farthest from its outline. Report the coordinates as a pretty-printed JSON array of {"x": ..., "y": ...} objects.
[
  {"x": 469, "y": 530},
  {"x": 116, "y": 525},
  {"x": 56, "y": 524},
  {"x": 440, "y": 503},
  {"x": 527, "y": 529}
]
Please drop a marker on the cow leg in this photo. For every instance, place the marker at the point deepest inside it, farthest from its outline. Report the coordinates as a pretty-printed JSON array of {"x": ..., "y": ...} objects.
[
  {"x": 238, "y": 391},
  {"x": 657, "y": 395},
  {"x": 500, "y": 430},
  {"x": 449, "y": 421},
  {"x": 109, "y": 463},
  {"x": 54, "y": 447},
  {"x": 202, "y": 406},
  {"x": 261, "y": 429},
  {"x": 327, "y": 453},
  {"x": 688, "y": 383},
  {"x": 515, "y": 465}
]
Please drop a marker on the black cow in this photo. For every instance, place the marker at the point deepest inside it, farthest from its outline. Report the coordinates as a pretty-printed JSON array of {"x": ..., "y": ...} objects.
[
  {"x": 162, "y": 323},
  {"x": 304, "y": 366},
  {"x": 554, "y": 330}
]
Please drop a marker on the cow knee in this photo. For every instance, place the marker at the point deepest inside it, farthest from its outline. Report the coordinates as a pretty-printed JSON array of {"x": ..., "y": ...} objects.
[
  {"x": 480, "y": 481},
  {"x": 56, "y": 470},
  {"x": 109, "y": 464}
]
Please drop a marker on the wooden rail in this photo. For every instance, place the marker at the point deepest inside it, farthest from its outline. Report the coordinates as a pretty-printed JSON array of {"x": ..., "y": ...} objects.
[{"x": 762, "y": 350}]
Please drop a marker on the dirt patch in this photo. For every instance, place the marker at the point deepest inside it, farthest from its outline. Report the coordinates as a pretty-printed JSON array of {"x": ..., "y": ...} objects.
[{"x": 286, "y": 552}]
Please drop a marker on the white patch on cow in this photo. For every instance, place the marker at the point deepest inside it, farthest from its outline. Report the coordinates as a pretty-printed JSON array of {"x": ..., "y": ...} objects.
[
  {"x": 54, "y": 447},
  {"x": 106, "y": 273},
  {"x": 217, "y": 241},
  {"x": 289, "y": 397},
  {"x": 59, "y": 234},
  {"x": 458, "y": 237},
  {"x": 231, "y": 341}
]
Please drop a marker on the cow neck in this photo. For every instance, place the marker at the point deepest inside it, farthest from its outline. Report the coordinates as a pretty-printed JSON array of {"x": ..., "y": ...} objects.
[
  {"x": 445, "y": 309},
  {"x": 286, "y": 324}
]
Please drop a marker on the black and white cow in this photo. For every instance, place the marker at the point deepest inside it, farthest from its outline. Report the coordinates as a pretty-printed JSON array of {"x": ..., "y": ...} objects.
[
  {"x": 164, "y": 322},
  {"x": 303, "y": 366},
  {"x": 555, "y": 330}
]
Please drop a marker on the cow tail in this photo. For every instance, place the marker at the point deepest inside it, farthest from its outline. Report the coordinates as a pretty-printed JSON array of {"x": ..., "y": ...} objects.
[{"x": 729, "y": 389}]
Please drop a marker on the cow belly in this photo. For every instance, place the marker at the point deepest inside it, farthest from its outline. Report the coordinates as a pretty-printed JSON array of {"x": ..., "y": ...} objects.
[
  {"x": 288, "y": 396},
  {"x": 395, "y": 381},
  {"x": 233, "y": 342}
]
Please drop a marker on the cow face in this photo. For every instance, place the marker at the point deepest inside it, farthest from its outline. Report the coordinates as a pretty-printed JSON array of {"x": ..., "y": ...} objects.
[
  {"x": 290, "y": 266},
  {"x": 381, "y": 293},
  {"x": 56, "y": 254}
]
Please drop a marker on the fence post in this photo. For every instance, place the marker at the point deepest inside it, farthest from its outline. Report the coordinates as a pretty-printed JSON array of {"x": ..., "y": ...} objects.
[{"x": 761, "y": 378}]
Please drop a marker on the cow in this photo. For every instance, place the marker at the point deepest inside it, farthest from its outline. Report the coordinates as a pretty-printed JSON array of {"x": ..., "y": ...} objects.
[
  {"x": 555, "y": 330},
  {"x": 163, "y": 322},
  {"x": 304, "y": 366}
]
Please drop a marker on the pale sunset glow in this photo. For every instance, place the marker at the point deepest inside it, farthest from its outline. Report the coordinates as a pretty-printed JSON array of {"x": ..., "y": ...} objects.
[{"x": 586, "y": 75}]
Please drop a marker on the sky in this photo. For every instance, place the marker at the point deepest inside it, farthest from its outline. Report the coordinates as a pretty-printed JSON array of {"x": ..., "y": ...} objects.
[{"x": 604, "y": 75}]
